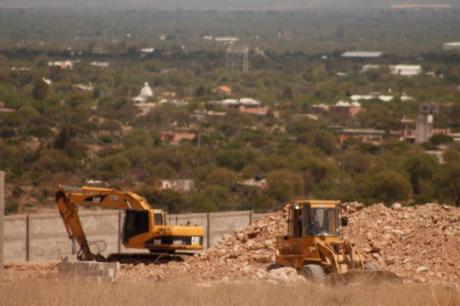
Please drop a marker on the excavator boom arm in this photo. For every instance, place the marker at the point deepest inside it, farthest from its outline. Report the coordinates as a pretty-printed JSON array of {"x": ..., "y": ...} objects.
[{"x": 69, "y": 198}]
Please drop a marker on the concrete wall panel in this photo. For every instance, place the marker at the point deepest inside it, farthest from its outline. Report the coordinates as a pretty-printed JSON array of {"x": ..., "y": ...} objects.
[
  {"x": 226, "y": 223},
  {"x": 14, "y": 245},
  {"x": 49, "y": 241}
]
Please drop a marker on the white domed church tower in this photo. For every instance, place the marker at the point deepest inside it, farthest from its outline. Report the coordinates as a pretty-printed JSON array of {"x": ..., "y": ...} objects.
[{"x": 145, "y": 94}]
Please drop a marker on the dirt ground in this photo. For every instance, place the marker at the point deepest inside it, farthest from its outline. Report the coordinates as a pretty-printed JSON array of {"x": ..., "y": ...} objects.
[
  {"x": 420, "y": 244},
  {"x": 48, "y": 292}
]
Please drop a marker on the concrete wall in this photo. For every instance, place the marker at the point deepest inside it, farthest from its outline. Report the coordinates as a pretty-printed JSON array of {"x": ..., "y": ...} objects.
[
  {"x": 42, "y": 237},
  {"x": 2, "y": 211}
]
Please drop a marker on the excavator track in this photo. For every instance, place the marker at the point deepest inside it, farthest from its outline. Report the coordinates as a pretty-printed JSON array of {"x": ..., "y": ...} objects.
[{"x": 147, "y": 258}]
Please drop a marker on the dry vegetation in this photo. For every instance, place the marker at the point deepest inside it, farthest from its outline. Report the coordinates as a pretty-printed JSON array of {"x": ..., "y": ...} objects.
[{"x": 47, "y": 292}]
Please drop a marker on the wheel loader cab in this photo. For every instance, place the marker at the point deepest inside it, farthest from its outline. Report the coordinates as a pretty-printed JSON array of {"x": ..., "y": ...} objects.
[
  {"x": 311, "y": 223},
  {"x": 307, "y": 219}
]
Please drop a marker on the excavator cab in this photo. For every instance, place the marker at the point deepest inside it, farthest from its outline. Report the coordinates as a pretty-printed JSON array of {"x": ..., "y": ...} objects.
[{"x": 137, "y": 222}]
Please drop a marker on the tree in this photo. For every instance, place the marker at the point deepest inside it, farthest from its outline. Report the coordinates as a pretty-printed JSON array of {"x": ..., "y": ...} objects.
[
  {"x": 386, "y": 186},
  {"x": 323, "y": 140},
  {"x": 287, "y": 94},
  {"x": 448, "y": 183},
  {"x": 354, "y": 161},
  {"x": 284, "y": 184},
  {"x": 419, "y": 167},
  {"x": 40, "y": 90},
  {"x": 440, "y": 139},
  {"x": 200, "y": 91},
  {"x": 222, "y": 177},
  {"x": 63, "y": 140}
]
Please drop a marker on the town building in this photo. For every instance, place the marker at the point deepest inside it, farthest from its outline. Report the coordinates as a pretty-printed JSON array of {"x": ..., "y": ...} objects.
[
  {"x": 319, "y": 108},
  {"x": 84, "y": 87},
  {"x": 244, "y": 105},
  {"x": 255, "y": 182},
  {"x": 370, "y": 136},
  {"x": 372, "y": 96},
  {"x": 362, "y": 54},
  {"x": 176, "y": 137},
  {"x": 145, "y": 94},
  {"x": 226, "y": 39},
  {"x": 61, "y": 64},
  {"x": 406, "y": 70},
  {"x": 147, "y": 50},
  {"x": 451, "y": 46},
  {"x": 47, "y": 81},
  {"x": 223, "y": 89},
  {"x": 99, "y": 64},
  {"x": 178, "y": 185},
  {"x": 3, "y": 109},
  {"x": 367, "y": 68},
  {"x": 348, "y": 109}
]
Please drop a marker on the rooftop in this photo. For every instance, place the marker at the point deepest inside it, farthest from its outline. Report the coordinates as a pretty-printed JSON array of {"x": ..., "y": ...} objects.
[{"x": 362, "y": 54}]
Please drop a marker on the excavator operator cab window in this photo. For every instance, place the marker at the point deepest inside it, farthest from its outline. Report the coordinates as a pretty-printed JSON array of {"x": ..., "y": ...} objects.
[
  {"x": 158, "y": 219},
  {"x": 136, "y": 222}
]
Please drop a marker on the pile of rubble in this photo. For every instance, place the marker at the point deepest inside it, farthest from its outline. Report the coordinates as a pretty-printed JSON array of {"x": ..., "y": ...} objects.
[
  {"x": 419, "y": 243},
  {"x": 243, "y": 254}
]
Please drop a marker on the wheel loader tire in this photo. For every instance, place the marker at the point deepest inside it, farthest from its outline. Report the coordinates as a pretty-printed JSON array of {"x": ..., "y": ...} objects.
[
  {"x": 371, "y": 266},
  {"x": 273, "y": 266},
  {"x": 313, "y": 272}
]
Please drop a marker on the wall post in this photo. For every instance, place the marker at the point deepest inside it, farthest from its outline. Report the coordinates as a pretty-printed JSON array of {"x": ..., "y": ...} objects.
[
  {"x": 119, "y": 231},
  {"x": 208, "y": 230},
  {"x": 2, "y": 212},
  {"x": 28, "y": 237}
]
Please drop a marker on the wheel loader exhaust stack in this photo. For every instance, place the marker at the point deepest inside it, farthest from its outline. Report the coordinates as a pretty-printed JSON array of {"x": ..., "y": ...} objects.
[{"x": 314, "y": 245}]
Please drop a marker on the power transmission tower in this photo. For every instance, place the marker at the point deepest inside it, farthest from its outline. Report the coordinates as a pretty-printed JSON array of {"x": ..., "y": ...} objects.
[{"x": 237, "y": 58}]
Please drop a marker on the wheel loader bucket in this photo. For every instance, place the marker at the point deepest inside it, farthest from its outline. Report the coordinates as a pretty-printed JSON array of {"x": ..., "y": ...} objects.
[{"x": 368, "y": 277}]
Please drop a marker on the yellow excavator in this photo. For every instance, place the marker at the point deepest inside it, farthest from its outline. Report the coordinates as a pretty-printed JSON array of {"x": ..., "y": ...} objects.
[
  {"x": 143, "y": 226},
  {"x": 314, "y": 245}
]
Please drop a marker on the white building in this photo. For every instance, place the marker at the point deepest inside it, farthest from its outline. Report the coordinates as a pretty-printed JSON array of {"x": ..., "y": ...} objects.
[
  {"x": 47, "y": 81},
  {"x": 367, "y": 68},
  {"x": 85, "y": 87},
  {"x": 372, "y": 96},
  {"x": 406, "y": 70},
  {"x": 249, "y": 102},
  {"x": 100, "y": 64},
  {"x": 362, "y": 54},
  {"x": 451, "y": 46},
  {"x": 61, "y": 64},
  {"x": 147, "y": 50},
  {"x": 226, "y": 39},
  {"x": 145, "y": 94}
]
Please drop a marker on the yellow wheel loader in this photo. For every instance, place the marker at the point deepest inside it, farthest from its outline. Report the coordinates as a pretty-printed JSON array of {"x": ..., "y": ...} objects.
[
  {"x": 143, "y": 227},
  {"x": 315, "y": 248}
]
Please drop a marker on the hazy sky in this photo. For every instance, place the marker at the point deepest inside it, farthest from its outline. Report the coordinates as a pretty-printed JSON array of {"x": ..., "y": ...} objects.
[{"x": 213, "y": 4}]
